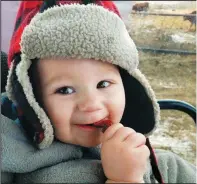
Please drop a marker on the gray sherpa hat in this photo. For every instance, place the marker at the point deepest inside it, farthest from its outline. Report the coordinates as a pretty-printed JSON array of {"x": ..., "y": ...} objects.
[{"x": 89, "y": 32}]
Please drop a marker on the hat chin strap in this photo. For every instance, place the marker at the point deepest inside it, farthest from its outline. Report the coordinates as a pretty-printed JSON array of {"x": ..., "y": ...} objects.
[{"x": 154, "y": 163}]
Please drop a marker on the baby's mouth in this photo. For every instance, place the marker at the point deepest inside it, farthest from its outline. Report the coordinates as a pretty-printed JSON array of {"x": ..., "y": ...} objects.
[{"x": 104, "y": 124}]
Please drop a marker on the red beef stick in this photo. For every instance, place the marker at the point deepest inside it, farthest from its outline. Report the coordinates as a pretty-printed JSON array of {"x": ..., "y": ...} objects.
[{"x": 104, "y": 124}]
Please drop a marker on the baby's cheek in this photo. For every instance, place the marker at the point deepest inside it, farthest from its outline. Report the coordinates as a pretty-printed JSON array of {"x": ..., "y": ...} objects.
[
  {"x": 120, "y": 105},
  {"x": 116, "y": 112}
]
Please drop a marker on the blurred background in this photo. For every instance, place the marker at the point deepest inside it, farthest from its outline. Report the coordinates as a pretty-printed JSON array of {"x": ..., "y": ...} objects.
[{"x": 165, "y": 35}]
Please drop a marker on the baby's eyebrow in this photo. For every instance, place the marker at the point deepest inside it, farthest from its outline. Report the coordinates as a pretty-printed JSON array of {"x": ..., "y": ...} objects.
[
  {"x": 56, "y": 79},
  {"x": 113, "y": 69}
]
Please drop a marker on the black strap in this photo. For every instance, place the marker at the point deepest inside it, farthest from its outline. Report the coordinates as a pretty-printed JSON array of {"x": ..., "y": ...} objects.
[{"x": 153, "y": 162}]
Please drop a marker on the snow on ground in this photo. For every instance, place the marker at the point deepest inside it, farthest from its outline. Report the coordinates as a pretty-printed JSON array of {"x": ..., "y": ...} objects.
[
  {"x": 181, "y": 146},
  {"x": 173, "y": 5},
  {"x": 183, "y": 38},
  {"x": 169, "y": 85}
]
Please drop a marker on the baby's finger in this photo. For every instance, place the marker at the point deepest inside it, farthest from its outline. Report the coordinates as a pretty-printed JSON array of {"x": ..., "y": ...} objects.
[
  {"x": 111, "y": 131},
  {"x": 122, "y": 133},
  {"x": 143, "y": 151},
  {"x": 135, "y": 140}
]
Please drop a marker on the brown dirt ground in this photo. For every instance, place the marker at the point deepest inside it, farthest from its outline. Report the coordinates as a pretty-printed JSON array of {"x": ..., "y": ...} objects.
[{"x": 173, "y": 77}]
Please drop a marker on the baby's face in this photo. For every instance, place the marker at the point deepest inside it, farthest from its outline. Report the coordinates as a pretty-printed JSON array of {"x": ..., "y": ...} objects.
[{"x": 76, "y": 93}]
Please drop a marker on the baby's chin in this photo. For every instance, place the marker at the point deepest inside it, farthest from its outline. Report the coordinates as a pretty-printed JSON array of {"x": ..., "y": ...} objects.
[{"x": 88, "y": 144}]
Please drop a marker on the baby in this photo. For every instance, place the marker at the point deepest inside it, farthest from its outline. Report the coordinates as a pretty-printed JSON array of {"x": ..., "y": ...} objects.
[{"x": 78, "y": 69}]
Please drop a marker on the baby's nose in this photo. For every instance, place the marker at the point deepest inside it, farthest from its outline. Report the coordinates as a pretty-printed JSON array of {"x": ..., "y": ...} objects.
[{"x": 89, "y": 103}]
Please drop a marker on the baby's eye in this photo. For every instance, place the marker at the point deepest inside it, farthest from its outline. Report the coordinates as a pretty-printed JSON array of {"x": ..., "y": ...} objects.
[
  {"x": 65, "y": 90},
  {"x": 103, "y": 84}
]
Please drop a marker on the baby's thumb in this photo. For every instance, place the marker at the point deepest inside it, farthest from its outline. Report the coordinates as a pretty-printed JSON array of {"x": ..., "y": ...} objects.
[{"x": 110, "y": 131}]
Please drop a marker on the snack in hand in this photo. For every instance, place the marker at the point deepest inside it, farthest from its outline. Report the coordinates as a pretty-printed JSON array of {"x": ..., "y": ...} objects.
[{"x": 104, "y": 124}]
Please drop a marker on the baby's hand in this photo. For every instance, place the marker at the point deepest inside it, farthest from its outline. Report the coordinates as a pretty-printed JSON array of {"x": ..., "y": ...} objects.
[{"x": 124, "y": 154}]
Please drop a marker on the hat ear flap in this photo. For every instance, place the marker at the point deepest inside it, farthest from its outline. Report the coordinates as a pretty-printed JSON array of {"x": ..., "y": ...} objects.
[
  {"x": 139, "y": 111},
  {"x": 27, "y": 116}
]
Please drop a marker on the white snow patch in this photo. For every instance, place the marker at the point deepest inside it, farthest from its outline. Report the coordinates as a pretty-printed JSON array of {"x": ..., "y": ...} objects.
[
  {"x": 183, "y": 38},
  {"x": 178, "y": 38},
  {"x": 169, "y": 85},
  {"x": 175, "y": 5},
  {"x": 182, "y": 146}
]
